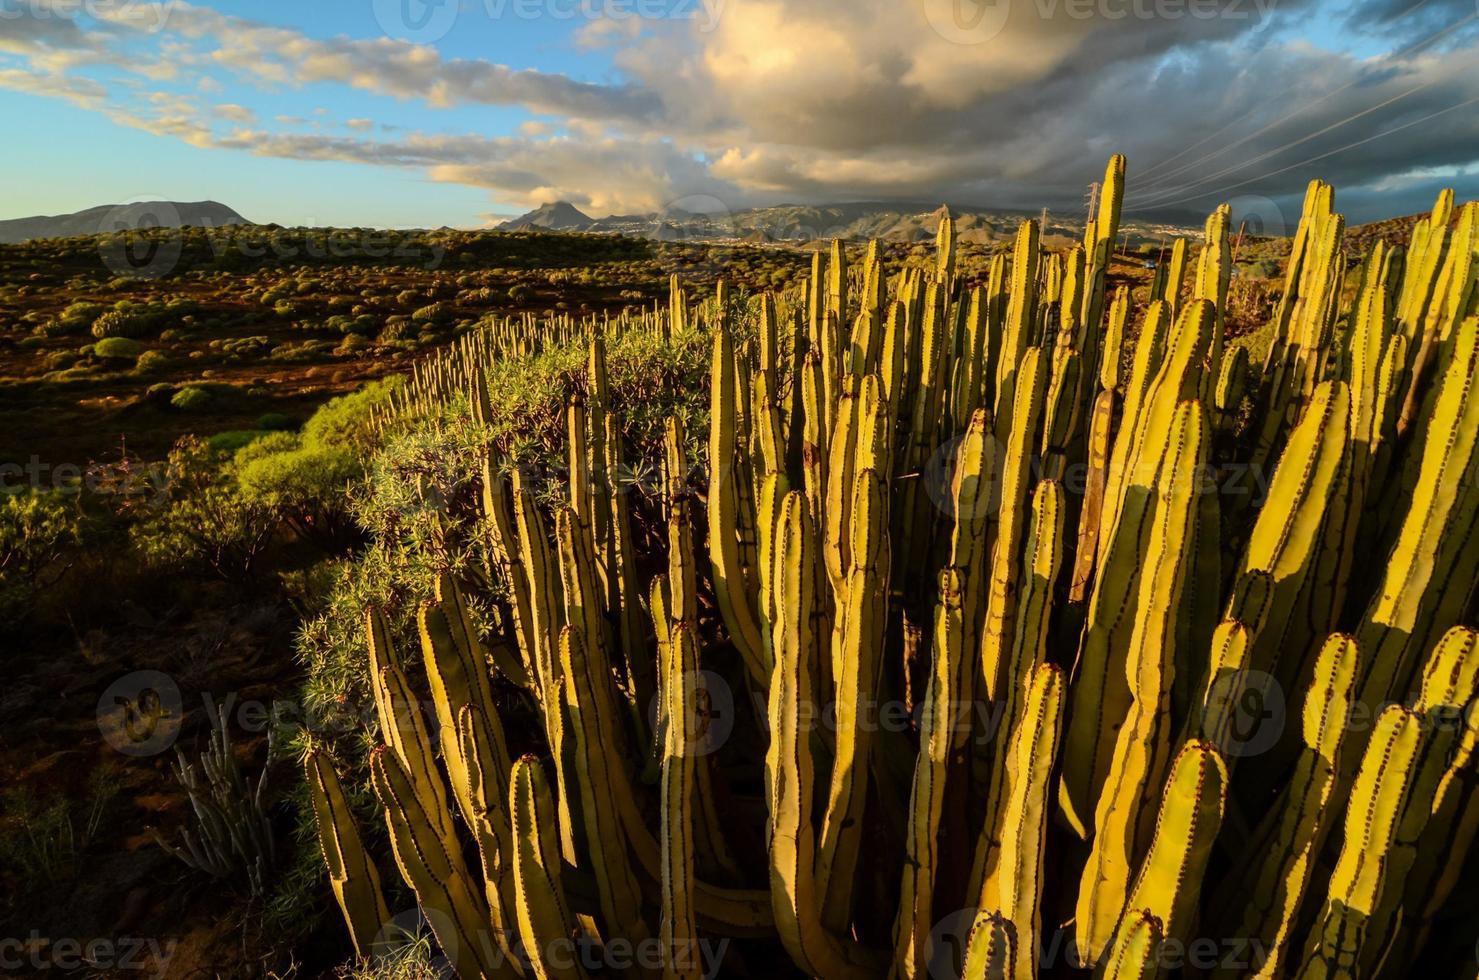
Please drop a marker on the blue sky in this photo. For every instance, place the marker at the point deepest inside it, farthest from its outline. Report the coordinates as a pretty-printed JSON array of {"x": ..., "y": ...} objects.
[{"x": 392, "y": 113}]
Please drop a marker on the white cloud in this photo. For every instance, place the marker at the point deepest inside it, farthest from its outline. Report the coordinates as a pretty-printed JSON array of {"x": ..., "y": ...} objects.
[{"x": 819, "y": 100}]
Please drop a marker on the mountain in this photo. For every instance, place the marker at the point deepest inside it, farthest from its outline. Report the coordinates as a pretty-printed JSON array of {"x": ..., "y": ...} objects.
[
  {"x": 116, "y": 217},
  {"x": 853, "y": 221},
  {"x": 559, "y": 216}
]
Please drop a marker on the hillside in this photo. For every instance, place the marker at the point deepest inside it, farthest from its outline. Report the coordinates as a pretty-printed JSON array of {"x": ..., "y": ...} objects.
[
  {"x": 117, "y": 217},
  {"x": 855, "y": 221}
]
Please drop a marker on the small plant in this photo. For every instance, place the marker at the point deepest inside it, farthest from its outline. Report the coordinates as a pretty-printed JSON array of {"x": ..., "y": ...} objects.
[
  {"x": 233, "y": 836},
  {"x": 116, "y": 323},
  {"x": 117, "y": 349},
  {"x": 191, "y": 399}
]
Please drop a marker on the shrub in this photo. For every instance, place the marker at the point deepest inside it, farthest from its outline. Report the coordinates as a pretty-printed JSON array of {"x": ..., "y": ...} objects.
[
  {"x": 115, "y": 323},
  {"x": 60, "y": 328},
  {"x": 437, "y": 313},
  {"x": 277, "y": 422},
  {"x": 191, "y": 399},
  {"x": 117, "y": 349},
  {"x": 204, "y": 519},
  {"x": 36, "y": 529},
  {"x": 151, "y": 360},
  {"x": 82, "y": 312}
]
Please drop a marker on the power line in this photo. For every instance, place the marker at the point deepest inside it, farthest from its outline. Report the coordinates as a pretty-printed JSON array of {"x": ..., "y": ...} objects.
[
  {"x": 1317, "y": 157},
  {"x": 1401, "y": 53},
  {"x": 1150, "y": 196}
]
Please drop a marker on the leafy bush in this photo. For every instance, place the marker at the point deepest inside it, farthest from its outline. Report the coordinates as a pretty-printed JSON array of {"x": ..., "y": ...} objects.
[
  {"x": 437, "y": 313},
  {"x": 118, "y": 324},
  {"x": 203, "y": 519},
  {"x": 191, "y": 399},
  {"x": 36, "y": 530},
  {"x": 117, "y": 349},
  {"x": 276, "y": 422},
  {"x": 150, "y": 360},
  {"x": 60, "y": 328}
]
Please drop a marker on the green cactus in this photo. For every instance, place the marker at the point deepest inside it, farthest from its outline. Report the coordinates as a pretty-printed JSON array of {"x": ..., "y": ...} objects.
[{"x": 352, "y": 873}]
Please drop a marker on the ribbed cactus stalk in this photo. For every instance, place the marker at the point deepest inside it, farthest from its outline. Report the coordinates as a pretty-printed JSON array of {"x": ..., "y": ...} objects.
[
  {"x": 1190, "y": 815},
  {"x": 1101, "y": 695},
  {"x": 1014, "y": 880},
  {"x": 991, "y": 949},
  {"x": 546, "y": 927},
  {"x": 435, "y": 871},
  {"x": 1137, "y": 953},
  {"x": 736, "y": 595},
  {"x": 1382, "y": 784},
  {"x": 352, "y": 873},
  {"x": 1430, "y": 574},
  {"x": 679, "y": 928},
  {"x": 1040, "y": 565},
  {"x": 1447, "y": 692},
  {"x": 793, "y": 714},
  {"x": 597, "y": 762},
  {"x": 1287, "y": 843},
  {"x": 1142, "y": 747},
  {"x": 857, "y": 663},
  {"x": 944, "y": 715}
]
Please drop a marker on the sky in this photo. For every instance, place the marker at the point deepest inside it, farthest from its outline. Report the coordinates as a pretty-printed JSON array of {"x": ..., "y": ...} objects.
[{"x": 421, "y": 113}]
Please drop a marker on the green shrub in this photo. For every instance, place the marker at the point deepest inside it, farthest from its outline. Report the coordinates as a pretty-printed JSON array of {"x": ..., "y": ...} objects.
[
  {"x": 199, "y": 517},
  {"x": 151, "y": 360},
  {"x": 60, "y": 328},
  {"x": 82, "y": 313},
  {"x": 115, "y": 323},
  {"x": 229, "y": 442},
  {"x": 36, "y": 530},
  {"x": 191, "y": 399},
  {"x": 437, "y": 313},
  {"x": 277, "y": 422},
  {"x": 117, "y": 349}
]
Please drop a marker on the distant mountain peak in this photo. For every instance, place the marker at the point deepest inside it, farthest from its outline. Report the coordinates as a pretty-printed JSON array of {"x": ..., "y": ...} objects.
[
  {"x": 117, "y": 217},
  {"x": 555, "y": 216}
]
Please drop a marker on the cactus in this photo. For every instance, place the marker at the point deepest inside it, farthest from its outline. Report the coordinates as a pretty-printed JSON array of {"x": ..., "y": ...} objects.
[
  {"x": 352, "y": 873},
  {"x": 1188, "y": 821},
  {"x": 1141, "y": 749},
  {"x": 1335, "y": 947},
  {"x": 1095, "y": 644},
  {"x": 546, "y": 927},
  {"x": 1288, "y": 841}
]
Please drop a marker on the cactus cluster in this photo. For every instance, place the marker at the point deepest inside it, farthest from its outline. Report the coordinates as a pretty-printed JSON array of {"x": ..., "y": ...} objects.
[{"x": 970, "y": 640}]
